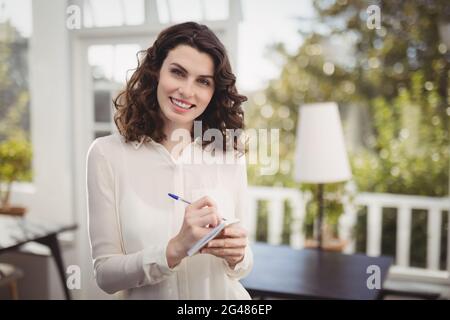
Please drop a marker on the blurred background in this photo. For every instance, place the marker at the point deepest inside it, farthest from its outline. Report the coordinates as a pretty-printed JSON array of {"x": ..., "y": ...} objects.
[{"x": 387, "y": 67}]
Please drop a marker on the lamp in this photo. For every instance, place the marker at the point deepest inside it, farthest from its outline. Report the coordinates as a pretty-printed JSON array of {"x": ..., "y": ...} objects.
[{"x": 320, "y": 155}]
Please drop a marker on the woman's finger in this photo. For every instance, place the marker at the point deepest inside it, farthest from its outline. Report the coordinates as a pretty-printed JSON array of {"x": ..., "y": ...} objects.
[
  {"x": 227, "y": 243},
  {"x": 214, "y": 211},
  {"x": 234, "y": 231},
  {"x": 207, "y": 219},
  {"x": 224, "y": 252},
  {"x": 204, "y": 211},
  {"x": 203, "y": 202}
]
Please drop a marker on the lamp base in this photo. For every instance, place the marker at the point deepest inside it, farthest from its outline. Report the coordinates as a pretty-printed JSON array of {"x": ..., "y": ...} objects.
[{"x": 335, "y": 245}]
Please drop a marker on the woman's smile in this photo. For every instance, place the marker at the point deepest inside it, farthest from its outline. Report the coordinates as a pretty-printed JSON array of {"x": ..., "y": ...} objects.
[{"x": 181, "y": 105}]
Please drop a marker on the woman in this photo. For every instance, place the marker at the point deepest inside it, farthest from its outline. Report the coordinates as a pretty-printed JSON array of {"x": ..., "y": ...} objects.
[{"x": 139, "y": 236}]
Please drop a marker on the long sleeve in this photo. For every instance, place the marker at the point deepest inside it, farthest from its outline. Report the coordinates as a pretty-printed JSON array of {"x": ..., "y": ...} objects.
[
  {"x": 114, "y": 270},
  {"x": 244, "y": 267}
]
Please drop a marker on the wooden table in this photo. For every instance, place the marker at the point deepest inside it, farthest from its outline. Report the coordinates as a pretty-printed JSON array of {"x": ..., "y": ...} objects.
[
  {"x": 284, "y": 272},
  {"x": 17, "y": 231}
]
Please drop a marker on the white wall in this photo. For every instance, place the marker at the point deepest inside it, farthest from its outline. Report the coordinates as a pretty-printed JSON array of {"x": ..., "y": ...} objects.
[
  {"x": 50, "y": 112},
  {"x": 52, "y": 127}
]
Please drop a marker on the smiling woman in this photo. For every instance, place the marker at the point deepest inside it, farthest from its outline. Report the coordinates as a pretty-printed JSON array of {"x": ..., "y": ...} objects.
[
  {"x": 177, "y": 84},
  {"x": 139, "y": 238},
  {"x": 186, "y": 60}
]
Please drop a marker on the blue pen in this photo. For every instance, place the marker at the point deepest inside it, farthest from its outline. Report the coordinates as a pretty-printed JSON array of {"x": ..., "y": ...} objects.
[
  {"x": 178, "y": 198},
  {"x": 174, "y": 196}
]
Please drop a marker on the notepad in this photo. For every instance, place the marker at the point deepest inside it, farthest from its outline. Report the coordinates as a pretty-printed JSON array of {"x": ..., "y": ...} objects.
[{"x": 211, "y": 235}]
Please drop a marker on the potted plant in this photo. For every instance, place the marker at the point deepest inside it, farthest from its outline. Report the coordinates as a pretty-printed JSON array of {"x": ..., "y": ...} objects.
[
  {"x": 15, "y": 165},
  {"x": 333, "y": 209}
]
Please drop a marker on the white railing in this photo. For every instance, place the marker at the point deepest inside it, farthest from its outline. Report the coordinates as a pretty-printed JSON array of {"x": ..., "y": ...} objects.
[
  {"x": 275, "y": 198},
  {"x": 375, "y": 202}
]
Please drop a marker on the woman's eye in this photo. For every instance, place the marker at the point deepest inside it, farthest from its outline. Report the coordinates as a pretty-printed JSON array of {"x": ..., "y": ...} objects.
[
  {"x": 176, "y": 72},
  {"x": 204, "y": 82}
]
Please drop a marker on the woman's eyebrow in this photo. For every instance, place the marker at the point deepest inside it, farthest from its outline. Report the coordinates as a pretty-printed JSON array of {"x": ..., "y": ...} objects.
[{"x": 184, "y": 70}]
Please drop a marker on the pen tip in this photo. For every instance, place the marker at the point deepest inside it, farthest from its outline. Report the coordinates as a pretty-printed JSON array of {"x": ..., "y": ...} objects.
[{"x": 173, "y": 196}]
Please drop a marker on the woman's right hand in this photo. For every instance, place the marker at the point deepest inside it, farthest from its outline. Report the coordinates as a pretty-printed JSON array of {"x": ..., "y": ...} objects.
[{"x": 198, "y": 217}]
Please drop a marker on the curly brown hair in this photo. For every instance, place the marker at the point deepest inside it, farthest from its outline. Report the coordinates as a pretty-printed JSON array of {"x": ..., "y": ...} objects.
[{"x": 138, "y": 113}]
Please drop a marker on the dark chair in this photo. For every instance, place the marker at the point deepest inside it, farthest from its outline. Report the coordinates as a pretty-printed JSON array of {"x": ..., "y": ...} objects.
[{"x": 9, "y": 275}]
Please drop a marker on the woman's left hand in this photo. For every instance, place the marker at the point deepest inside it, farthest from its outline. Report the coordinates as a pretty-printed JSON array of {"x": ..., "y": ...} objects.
[{"x": 230, "y": 245}]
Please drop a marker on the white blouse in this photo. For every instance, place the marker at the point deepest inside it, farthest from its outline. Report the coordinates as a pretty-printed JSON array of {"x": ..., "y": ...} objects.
[{"x": 131, "y": 218}]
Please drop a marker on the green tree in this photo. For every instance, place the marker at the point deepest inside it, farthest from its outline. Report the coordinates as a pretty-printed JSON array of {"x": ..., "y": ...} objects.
[
  {"x": 15, "y": 148},
  {"x": 15, "y": 159},
  {"x": 14, "y": 95}
]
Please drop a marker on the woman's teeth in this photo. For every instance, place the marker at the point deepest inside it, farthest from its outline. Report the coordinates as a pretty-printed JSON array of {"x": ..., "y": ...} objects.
[{"x": 181, "y": 104}]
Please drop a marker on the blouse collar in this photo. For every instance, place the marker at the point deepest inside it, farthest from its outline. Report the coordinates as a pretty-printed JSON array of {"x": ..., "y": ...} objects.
[{"x": 138, "y": 144}]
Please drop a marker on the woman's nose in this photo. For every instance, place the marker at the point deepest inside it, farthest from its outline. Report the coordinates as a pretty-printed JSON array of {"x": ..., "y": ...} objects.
[{"x": 186, "y": 90}]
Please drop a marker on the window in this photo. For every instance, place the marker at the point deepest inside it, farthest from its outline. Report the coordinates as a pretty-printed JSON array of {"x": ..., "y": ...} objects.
[
  {"x": 110, "y": 13},
  {"x": 107, "y": 13},
  {"x": 15, "y": 31},
  {"x": 111, "y": 66}
]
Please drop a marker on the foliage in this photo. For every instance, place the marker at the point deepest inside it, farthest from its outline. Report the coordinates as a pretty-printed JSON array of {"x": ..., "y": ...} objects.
[
  {"x": 15, "y": 159},
  {"x": 15, "y": 148},
  {"x": 14, "y": 95}
]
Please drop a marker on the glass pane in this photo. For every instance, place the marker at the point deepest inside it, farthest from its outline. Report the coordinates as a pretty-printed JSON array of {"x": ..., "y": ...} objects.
[
  {"x": 107, "y": 13},
  {"x": 102, "y": 106},
  {"x": 216, "y": 10},
  {"x": 163, "y": 11},
  {"x": 182, "y": 10},
  {"x": 110, "y": 66},
  {"x": 88, "y": 18},
  {"x": 134, "y": 12},
  {"x": 125, "y": 61},
  {"x": 101, "y": 60},
  {"x": 16, "y": 14},
  {"x": 113, "y": 63}
]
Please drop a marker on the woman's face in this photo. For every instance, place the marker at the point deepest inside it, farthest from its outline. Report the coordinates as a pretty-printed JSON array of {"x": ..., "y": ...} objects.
[{"x": 186, "y": 85}]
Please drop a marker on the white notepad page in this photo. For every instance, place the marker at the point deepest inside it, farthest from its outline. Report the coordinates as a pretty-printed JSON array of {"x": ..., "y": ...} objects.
[{"x": 211, "y": 235}]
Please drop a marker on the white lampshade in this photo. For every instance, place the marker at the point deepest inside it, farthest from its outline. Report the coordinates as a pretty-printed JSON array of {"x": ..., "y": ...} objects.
[{"x": 320, "y": 155}]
